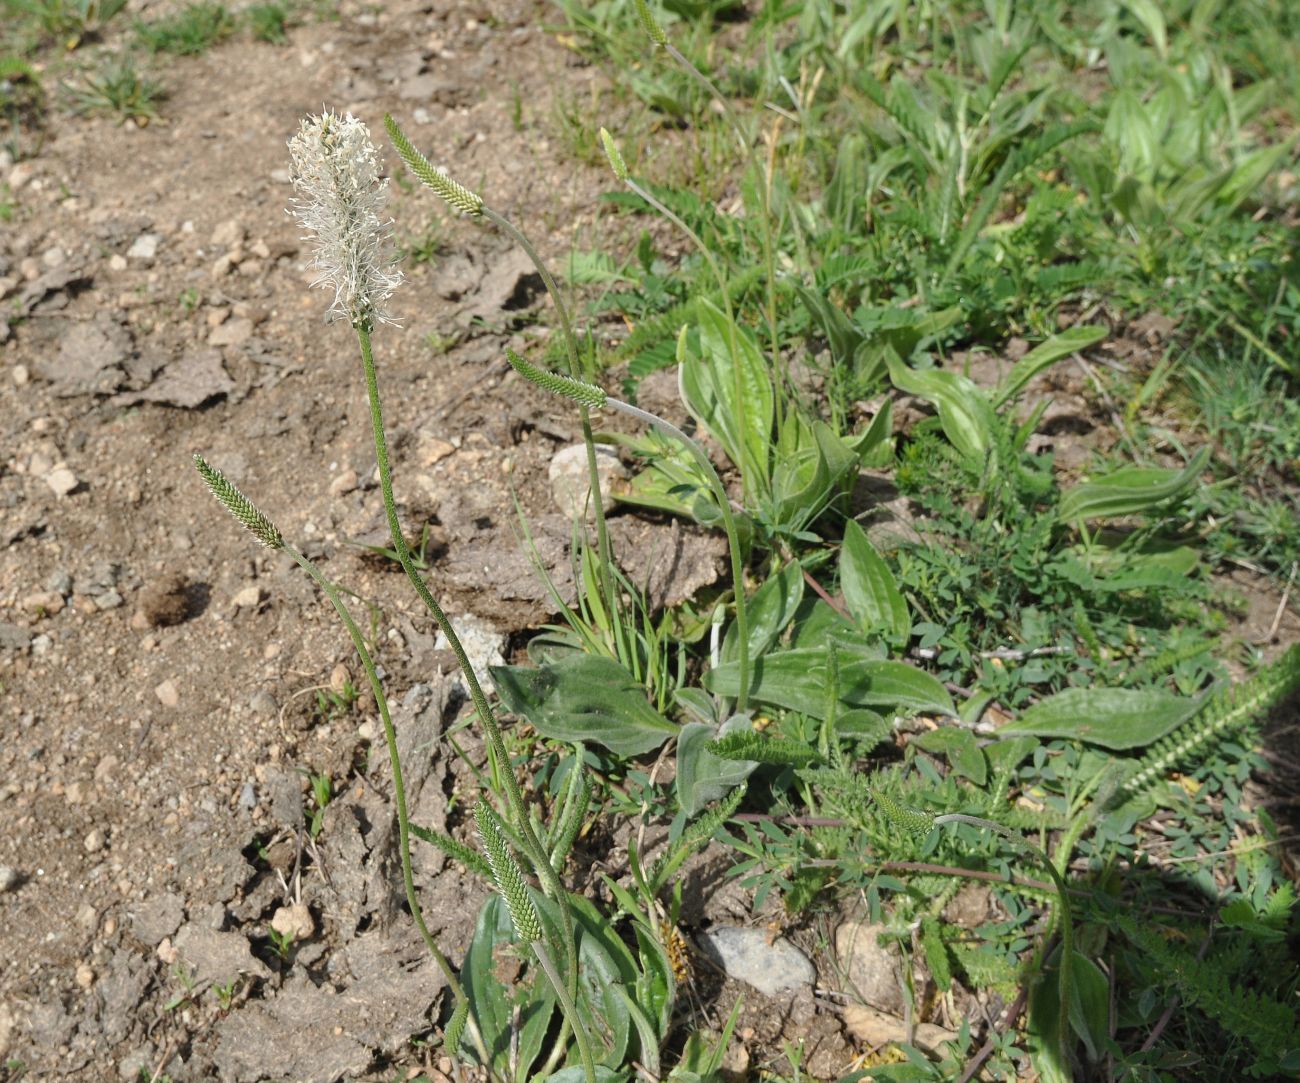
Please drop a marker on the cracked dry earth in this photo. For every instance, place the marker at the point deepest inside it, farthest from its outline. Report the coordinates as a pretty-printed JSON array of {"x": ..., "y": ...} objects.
[{"x": 160, "y": 674}]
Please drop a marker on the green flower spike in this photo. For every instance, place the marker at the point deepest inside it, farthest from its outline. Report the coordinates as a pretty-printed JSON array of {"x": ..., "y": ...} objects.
[
  {"x": 507, "y": 876},
  {"x": 588, "y": 395},
  {"x": 239, "y": 506},
  {"x": 616, "y": 162},
  {"x": 453, "y": 192},
  {"x": 913, "y": 821},
  {"x": 653, "y": 30}
]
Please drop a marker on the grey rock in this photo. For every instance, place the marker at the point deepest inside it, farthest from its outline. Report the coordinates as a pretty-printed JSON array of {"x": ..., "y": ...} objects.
[
  {"x": 263, "y": 704},
  {"x": 110, "y": 599},
  {"x": 187, "y": 383},
  {"x": 120, "y": 993},
  {"x": 569, "y": 479},
  {"x": 14, "y": 638},
  {"x": 157, "y": 918},
  {"x": 483, "y": 644},
  {"x": 218, "y": 957},
  {"x": 59, "y": 581},
  {"x": 285, "y": 797},
  {"x": 248, "y": 797},
  {"x": 145, "y": 246},
  {"x": 10, "y": 879},
  {"x": 871, "y": 972},
  {"x": 774, "y": 969}
]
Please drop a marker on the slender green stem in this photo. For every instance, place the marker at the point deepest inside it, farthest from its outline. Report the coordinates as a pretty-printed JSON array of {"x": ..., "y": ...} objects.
[
  {"x": 399, "y": 792},
  {"x": 752, "y": 473},
  {"x": 728, "y": 523},
  {"x": 575, "y": 370},
  {"x": 514, "y": 797},
  {"x": 570, "y": 1008},
  {"x": 1063, "y": 909}
]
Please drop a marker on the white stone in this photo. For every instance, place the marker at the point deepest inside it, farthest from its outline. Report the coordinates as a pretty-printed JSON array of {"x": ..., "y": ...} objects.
[
  {"x": 167, "y": 693},
  {"x": 569, "y": 477},
  {"x": 145, "y": 246},
  {"x": 61, "y": 480}
]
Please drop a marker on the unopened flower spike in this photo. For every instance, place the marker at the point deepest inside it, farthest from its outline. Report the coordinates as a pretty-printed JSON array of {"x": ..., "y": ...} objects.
[
  {"x": 653, "y": 30},
  {"x": 336, "y": 172},
  {"x": 507, "y": 877},
  {"x": 239, "y": 505},
  {"x": 588, "y": 395},
  {"x": 451, "y": 191},
  {"x": 616, "y": 162}
]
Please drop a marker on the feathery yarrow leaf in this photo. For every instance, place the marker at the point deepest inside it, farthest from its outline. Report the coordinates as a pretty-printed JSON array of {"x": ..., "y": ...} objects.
[
  {"x": 336, "y": 172},
  {"x": 449, "y": 190},
  {"x": 589, "y": 395},
  {"x": 239, "y": 505},
  {"x": 507, "y": 875},
  {"x": 1225, "y": 712},
  {"x": 653, "y": 30},
  {"x": 472, "y": 860}
]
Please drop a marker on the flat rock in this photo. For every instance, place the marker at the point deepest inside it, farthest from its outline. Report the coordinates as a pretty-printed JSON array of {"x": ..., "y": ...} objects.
[
  {"x": 188, "y": 382},
  {"x": 569, "y": 478},
  {"x": 157, "y": 918},
  {"x": 775, "y": 969},
  {"x": 92, "y": 357},
  {"x": 218, "y": 957},
  {"x": 872, "y": 973},
  {"x": 876, "y": 1028}
]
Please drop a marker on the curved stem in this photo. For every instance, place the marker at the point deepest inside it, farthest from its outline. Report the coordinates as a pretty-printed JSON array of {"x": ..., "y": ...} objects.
[
  {"x": 728, "y": 523},
  {"x": 569, "y": 1007},
  {"x": 514, "y": 797},
  {"x": 399, "y": 792},
  {"x": 1063, "y": 909},
  {"x": 575, "y": 370}
]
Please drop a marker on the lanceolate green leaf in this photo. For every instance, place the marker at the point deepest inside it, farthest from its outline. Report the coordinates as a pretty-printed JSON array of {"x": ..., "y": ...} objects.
[
  {"x": 770, "y": 609},
  {"x": 584, "y": 698},
  {"x": 709, "y": 388},
  {"x": 964, "y": 412},
  {"x": 797, "y": 680},
  {"x": 1132, "y": 490},
  {"x": 1114, "y": 718},
  {"x": 870, "y": 591},
  {"x": 1043, "y": 356}
]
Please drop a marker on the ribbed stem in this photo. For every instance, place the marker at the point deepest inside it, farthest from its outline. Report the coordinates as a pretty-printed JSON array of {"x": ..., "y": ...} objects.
[
  {"x": 514, "y": 797},
  {"x": 399, "y": 791}
]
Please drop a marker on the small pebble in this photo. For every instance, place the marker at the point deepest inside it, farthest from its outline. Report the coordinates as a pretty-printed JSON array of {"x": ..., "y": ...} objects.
[
  {"x": 164, "y": 601},
  {"x": 20, "y": 375},
  {"x": 94, "y": 841},
  {"x": 248, "y": 796},
  {"x": 10, "y": 879},
  {"x": 145, "y": 246},
  {"x": 117, "y": 263},
  {"x": 85, "y": 975},
  {"x": 344, "y": 483},
  {"x": 44, "y": 603},
  {"x": 263, "y": 704},
  {"x": 294, "y": 921},
  {"x": 110, "y": 599},
  {"x": 61, "y": 480},
  {"x": 167, "y": 693},
  {"x": 248, "y": 598}
]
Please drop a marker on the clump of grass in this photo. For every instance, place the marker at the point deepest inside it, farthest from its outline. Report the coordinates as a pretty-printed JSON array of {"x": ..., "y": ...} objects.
[
  {"x": 191, "y": 31},
  {"x": 269, "y": 22},
  {"x": 118, "y": 90}
]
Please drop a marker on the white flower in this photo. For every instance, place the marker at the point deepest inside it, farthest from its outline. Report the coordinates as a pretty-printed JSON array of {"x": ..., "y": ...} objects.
[{"x": 340, "y": 197}]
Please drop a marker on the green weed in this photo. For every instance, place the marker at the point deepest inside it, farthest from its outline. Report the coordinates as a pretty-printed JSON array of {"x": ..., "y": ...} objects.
[
  {"x": 119, "y": 90},
  {"x": 191, "y": 31}
]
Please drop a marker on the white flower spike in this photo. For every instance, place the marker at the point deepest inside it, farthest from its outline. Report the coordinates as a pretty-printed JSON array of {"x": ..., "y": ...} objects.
[{"x": 336, "y": 172}]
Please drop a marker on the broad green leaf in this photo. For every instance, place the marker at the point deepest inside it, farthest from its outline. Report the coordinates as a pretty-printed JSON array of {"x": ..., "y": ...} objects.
[
  {"x": 513, "y": 1019},
  {"x": 959, "y": 746},
  {"x": 703, "y": 777},
  {"x": 1131, "y": 490},
  {"x": 730, "y": 396},
  {"x": 870, "y": 591},
  {"x": 797, "y": 680},
  {"x": 813, "y": 466},
  {"x": 1044, "y": 355},
  {"x": 769, "y": 609},
  {"x": 1152, "y": 19},
  {"x": 584, "y": 698},
  {"x": 1089, "y": 1004},
  {"x": 872, "y": 445},
  {"x": 1114, "y": 718},
  {"x": 964, "y": 412},
  {"x": 1129, "y": 127}
]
